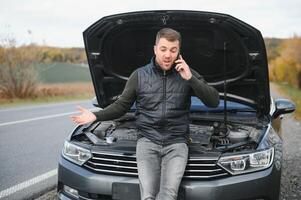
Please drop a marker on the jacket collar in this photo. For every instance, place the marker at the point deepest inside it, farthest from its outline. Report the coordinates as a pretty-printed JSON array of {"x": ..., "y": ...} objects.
[{"x": 158, "y": 68}]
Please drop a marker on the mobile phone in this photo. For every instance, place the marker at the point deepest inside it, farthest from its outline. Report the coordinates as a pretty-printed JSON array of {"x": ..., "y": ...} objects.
[{"x": 178, "y": 57}]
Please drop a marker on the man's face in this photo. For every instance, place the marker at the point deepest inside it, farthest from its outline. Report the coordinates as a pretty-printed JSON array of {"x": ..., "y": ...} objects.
[{"x": 166, "y": 53}]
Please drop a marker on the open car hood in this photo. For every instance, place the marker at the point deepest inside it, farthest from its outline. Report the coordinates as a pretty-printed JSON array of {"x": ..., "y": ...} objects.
[{"x": 218, "y": 46}]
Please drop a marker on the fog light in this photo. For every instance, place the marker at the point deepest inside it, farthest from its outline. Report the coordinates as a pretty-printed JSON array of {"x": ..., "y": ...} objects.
[{"x": 72, "y": 192}]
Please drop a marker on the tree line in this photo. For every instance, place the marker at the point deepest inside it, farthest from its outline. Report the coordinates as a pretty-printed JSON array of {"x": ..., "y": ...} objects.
[
  {"x": 46, "y": 54},
  {"x": 284, "y": 56}
]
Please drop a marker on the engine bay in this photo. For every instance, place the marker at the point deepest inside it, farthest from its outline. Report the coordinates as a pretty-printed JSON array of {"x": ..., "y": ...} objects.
[{"x": 204, "y": 135}]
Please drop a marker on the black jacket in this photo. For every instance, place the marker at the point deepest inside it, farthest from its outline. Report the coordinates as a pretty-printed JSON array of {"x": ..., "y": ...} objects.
[{"x": 162, "y": 102}]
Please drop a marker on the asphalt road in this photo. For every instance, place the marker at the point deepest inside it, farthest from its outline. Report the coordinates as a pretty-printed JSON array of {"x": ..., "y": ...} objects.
[{"x": 31, "y": 140}]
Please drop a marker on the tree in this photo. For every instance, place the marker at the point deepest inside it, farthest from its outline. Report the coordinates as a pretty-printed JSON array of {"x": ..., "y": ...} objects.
[
  {"x": 18, "y": 77},
  {"x": 287, "y": 66}
]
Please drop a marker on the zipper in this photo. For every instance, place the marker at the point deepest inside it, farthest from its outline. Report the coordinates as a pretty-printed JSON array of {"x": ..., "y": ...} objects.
[
  {"x": 164, "y": 104},
  {"x": 164, "y": 96}
]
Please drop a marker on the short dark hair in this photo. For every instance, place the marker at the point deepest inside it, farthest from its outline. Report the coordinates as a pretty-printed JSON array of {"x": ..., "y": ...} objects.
[{"x": 169, "y": 34}]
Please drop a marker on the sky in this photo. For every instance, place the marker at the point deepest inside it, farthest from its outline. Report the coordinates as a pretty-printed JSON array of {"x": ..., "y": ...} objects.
[{"x": 61, "y": 22}]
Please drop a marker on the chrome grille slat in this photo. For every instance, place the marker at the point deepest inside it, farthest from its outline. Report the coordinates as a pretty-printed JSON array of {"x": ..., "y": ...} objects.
[
  {"x": 212, "y": 176},
  {"x": 202, "y": 159},
  {"x": 111, "y": 171},
  {"x": 114, "y": 160},
  {"x": 111, "y": 154},
  {"x": 117, "y": 163},
  {"x": 201, "y": 165},
  {"x": 116, "y": 166},
  {"x": 204, "y": 170}
]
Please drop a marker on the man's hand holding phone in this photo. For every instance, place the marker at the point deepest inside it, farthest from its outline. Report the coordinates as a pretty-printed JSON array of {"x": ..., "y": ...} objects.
[{"x": 183, "y": 68}]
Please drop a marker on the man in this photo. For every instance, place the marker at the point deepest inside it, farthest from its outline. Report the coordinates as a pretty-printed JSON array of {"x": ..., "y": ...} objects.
[{"x": 162, "y": 90}]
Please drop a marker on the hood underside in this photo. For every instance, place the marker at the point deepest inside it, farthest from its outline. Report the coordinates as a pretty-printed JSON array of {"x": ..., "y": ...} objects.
[{"x": 218, "y": 46}]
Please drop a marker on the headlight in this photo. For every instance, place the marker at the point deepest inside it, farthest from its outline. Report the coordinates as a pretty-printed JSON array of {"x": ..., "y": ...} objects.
[
  {"x": 246, "y": 163},
  {"x": 75, "y": 153}
]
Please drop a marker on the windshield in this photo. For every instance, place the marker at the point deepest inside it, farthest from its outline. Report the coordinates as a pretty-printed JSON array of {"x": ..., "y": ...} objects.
[{"x": 197, "y": 105}]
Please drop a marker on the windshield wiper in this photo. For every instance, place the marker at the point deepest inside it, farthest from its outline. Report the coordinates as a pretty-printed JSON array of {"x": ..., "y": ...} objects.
[{"x": 235, "y": 110}]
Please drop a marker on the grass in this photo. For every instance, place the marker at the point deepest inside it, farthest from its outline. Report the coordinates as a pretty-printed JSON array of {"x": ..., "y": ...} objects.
[
  {"x": 295, "y": 95},
  {"x": 59, "y": 92},
  {"x": 63, "y": 73}
]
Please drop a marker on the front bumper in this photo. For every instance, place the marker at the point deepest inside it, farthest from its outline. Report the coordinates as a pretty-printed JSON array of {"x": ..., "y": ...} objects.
[{"x": 258, "y": 185}]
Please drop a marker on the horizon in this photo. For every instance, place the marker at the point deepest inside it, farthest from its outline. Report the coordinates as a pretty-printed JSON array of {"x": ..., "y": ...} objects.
[{"x": 49, "y": 46}]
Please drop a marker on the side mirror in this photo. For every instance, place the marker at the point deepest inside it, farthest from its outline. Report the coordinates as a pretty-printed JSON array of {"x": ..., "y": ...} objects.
[{"x": 283, "y": 106}]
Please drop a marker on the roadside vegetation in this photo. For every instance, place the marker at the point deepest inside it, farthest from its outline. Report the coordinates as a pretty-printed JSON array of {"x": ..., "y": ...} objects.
[
  {"x": 36, "y": 74},
  {"x": 294, "y": 94},
  {"x": 285, "y": 60},
  {"x": 55, "y": 92},
  {"x": 284, "y": 57}
]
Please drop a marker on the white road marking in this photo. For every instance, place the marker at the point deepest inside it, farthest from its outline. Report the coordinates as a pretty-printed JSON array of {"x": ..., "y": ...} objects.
[
  {"x": 42, "y": 106},
  {"x": 44, "y": 117},
  {"x": 37, "y": 118},
  {"x": 26, "y": 184}
]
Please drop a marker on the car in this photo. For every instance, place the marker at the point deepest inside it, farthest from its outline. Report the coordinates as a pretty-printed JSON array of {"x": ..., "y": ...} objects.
[{"x": 235, "y": 149}]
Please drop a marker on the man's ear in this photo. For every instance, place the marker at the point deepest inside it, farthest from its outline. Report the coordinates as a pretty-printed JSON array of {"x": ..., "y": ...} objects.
[{"x": 155, "y": 49}]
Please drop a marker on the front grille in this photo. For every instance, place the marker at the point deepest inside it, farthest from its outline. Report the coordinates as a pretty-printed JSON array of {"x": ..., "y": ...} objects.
[{"x": 122, "y": 164}]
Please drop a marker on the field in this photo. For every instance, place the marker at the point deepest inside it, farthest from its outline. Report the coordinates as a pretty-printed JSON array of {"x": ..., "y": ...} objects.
[
  {"x": 63, "y": 73},
  {"x": 58, "y": 82},
  {"x": 57, "y": 92}
]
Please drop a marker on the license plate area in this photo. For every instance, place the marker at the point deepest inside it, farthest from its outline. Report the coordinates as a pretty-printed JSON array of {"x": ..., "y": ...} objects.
[{"x": 125, "y": 191}]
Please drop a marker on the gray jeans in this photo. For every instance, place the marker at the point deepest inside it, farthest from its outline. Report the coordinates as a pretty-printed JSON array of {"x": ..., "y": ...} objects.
[{"x": 160, "y": 169}]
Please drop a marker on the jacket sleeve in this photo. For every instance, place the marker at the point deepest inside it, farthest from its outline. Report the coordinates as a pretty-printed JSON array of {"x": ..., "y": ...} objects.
[
  {"x": 123, "y": 103},
  {"x": 207, "y": 94}
]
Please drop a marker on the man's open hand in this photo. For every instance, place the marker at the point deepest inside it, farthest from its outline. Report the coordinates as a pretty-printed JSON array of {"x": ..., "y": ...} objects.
[{"x": 85, "y": 117}]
